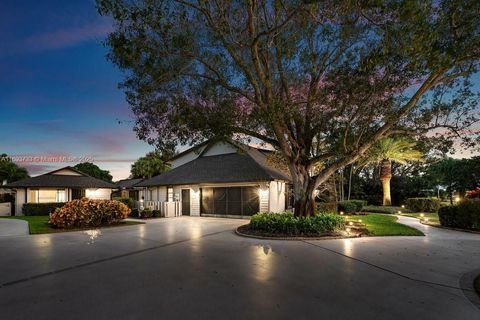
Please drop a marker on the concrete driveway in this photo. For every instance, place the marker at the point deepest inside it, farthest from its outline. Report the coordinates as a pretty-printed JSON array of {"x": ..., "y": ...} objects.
[
  {"x": 13, "y": 227},
  {"x": 196, "y": 268}
]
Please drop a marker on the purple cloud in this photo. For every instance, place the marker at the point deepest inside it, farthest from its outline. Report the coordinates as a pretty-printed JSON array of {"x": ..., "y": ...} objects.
[{"x": 63, "y": 38}]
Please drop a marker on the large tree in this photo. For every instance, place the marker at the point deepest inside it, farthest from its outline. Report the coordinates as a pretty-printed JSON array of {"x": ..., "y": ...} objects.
[
  {"x": 320, "y": 81},
  {"x": 94, "y": 171},
  {"x": 10, "y": 171}
]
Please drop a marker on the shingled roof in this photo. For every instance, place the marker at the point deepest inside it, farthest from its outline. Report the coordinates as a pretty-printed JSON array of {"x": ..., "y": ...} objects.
[
  {"x": 54, "y": 180},
  {"x": 247, "y": 165},
  {"x": 128, "y": 183}
]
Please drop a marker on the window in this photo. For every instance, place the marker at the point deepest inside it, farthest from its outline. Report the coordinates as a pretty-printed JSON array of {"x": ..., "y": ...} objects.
[
  {"x": 46, "y": 195},
  {"x": 61, "y": 195},
  {"x": 170, "y": 194}
]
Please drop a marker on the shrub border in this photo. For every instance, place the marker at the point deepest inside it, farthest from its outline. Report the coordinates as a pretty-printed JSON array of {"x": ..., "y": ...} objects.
[
  {"x": 449, "y": 228},
  {"x": 293, "y": 238}
]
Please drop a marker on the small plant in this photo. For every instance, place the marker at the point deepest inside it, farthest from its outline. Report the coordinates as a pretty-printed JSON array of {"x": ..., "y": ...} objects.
[
  {"x": 89, "y": 213},
  {"x": 134, "y": 213},
  {"x": 465, "y": 215},
  {"x": 128, "y": 201},
  {"x": 423, "y": 204},
  {"x": 157, "y": 213},
  {"x": 287, "y": 223},
  {"x": 146, "y": 213}
]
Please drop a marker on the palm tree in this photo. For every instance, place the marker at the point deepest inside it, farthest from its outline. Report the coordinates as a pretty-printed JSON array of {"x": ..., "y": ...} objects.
[{"x": 386, "y": 151}]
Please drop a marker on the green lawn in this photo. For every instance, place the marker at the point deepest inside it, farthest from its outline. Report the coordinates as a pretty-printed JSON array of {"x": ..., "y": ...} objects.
[
  {"x": 39, "y": 224},
  {"x": 383, "y": 225}
]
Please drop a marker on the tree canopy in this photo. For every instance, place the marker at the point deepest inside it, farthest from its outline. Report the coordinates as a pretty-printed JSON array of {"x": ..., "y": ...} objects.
[
  {"x": 320, "y": 81},
  {"x": 94, "y": 171},
  {"x": 152, "y": 164},
  {"x": 10, "y": 171}
]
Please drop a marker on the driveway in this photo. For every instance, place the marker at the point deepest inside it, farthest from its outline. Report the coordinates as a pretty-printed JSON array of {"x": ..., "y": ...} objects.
[
  {"x": 13, "y": 227},
  {"x": 197, "y": 268}
]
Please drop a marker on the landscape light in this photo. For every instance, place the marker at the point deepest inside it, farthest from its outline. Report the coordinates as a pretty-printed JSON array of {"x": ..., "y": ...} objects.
[
  {"x": 426, "y": 219},
  {"x": 348, "y": 230},
  {"x": 457, "y": 199},
  {"x": 350, "y": 223},
  {"x": 360, "y": 220},
  {"x": 341, "y": 212},
  {"x": 422, "y": 215},
  {"x": 403, "y": 206},
  {"x": 399, "y": 212}
]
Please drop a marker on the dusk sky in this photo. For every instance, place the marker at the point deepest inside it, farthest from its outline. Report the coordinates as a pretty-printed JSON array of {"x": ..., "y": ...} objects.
[{"x": 58, "y": 93}]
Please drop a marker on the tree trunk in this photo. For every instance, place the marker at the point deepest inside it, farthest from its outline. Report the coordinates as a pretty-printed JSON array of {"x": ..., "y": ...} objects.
[
  {"x": 385, "y": 177},
  {"x": 304, "y": 192}
]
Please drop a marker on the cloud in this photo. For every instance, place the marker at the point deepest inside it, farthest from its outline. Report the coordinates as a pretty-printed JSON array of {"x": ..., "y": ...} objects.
[{"x": 62, "y": 38}]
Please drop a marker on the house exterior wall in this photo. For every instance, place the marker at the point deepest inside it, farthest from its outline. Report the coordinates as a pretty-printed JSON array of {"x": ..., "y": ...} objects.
[
  {"x": 189, "y": 156},
  {"x": 277, "y": 195},
  {"x": 98, "y": 194},
  {"x": 271, "y": 195},
  {"x": 219, "y": 148},
  {"x": 19, "y": 201}
]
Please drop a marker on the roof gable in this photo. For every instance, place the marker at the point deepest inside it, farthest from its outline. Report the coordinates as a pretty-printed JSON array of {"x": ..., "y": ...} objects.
[{"x": 68, "y": 171}]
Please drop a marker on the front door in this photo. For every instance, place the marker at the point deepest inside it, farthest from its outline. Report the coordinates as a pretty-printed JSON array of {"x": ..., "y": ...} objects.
[{"x": 185, "y": 202}]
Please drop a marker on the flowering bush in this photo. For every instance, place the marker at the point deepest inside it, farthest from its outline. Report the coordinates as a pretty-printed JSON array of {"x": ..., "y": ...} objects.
[
  {"x": 89, "y": 213},
  {"x": 474, "y": 193}
]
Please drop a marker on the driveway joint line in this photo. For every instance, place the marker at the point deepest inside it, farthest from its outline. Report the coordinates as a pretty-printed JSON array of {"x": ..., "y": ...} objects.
[
  {"x": 94, "y": 262},
  {"x": 388, "y": 270}
]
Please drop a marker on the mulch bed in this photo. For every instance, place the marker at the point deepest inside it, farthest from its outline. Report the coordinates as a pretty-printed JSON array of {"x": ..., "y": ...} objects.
[{"x": 355, "y": 232}]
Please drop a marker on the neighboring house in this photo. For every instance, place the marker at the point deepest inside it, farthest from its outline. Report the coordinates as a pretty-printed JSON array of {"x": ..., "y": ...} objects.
[
  {"x": 126, "y": 188},
  {"x": 61, "y": 185},
  {"x": 224, "y": 179}
]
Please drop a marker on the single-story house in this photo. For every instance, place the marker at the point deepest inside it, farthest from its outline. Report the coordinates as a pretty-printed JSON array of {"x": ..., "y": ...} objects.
[
  {"x": 126, "y": 188},
  {"x": 61, "y": 185},
  {"x": 225, "y": 179}
]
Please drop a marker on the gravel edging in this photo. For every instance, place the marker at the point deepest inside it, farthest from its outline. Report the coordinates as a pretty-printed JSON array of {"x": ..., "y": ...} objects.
[{"x": 242, "y": 234}]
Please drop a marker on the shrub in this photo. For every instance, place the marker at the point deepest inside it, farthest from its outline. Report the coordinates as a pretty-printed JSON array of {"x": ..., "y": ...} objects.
[
  {"x": 146, "y": 213},
  {"x": 359, "y": 204},
  {"x": 465, "y": 215},
  {"x": 347, "y": 206},
  {"x": 473, "y": 193},
  {"x": 423, "y": 204},
  {"x": 384, "y": 209},
  {"x": 326, "y": 207},
  {"x": 287, "y": 223},
  {"x": 134, "y": 213},
  {"x": 85, "y": 212},
  {"x": 41, "y": 209},
  {"x": 128, "y": 201},
  {"x": 157, "y": 213}
]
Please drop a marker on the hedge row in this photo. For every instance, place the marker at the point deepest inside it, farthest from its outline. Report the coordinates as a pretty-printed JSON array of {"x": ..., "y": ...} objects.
[
  {"x": 286, "y": 223},
  {"x": 465, "y": 215},
  {"x": 40, "y": 209},
  {"x": 423, "y": 204},
  {"x": 347, "y": 206}
]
